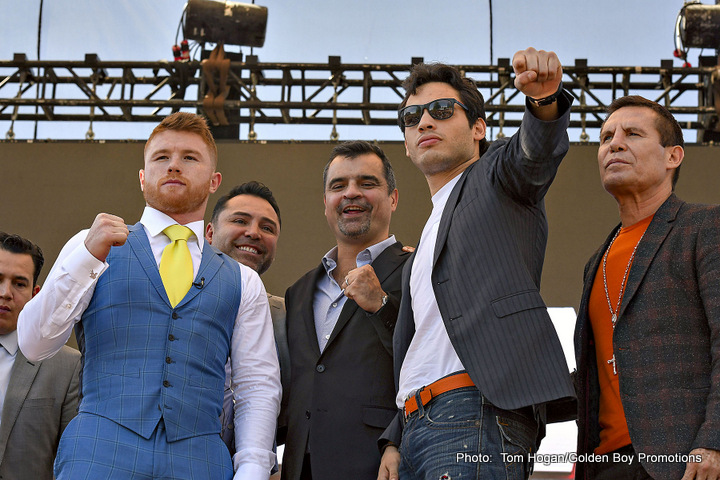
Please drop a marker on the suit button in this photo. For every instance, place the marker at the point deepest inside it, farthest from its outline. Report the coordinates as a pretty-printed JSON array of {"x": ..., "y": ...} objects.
[
  {"x": 168, "y": 360},
  {"x": 171, "y": 337},
  {"x": 175, "y": 315},
  {"x": 307, "y": 414},
  {"x": 320, "y": 368},
  {"x": 166, "y": 383}
]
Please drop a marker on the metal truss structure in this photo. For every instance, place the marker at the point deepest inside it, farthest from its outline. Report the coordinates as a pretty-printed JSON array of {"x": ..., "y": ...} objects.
[{"x": 329, "y": 93}]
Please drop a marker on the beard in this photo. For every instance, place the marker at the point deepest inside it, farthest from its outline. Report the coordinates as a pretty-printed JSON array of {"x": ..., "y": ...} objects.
[
  {"x": 189, "y": 199},
  {"x": 354, "y": 227}
]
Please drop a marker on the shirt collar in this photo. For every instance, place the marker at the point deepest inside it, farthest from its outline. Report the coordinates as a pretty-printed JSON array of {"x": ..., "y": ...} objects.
[
  {"x": 155, "y": 222},
  {"x": 366, "y": 257},
  {"x": 10, "y": 342}
]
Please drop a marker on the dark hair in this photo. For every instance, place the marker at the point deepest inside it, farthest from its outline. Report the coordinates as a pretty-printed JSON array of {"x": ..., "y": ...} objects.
[
  {"x": 187, "y": 122},
  {"x": 18, "y": 244},
  {"x": 354, "y": 149},
  {"x": 470, "y": 96},
  {"x": 253, "y": 188},
  {"x": 666, "y": 125}
]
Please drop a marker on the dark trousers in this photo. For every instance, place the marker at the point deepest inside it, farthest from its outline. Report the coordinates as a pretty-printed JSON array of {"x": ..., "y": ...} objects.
[{"x": 305, "y": 473}]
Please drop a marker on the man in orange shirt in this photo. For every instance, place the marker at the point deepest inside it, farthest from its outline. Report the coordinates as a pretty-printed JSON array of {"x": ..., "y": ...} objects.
[{"x": 647, "y": 339}]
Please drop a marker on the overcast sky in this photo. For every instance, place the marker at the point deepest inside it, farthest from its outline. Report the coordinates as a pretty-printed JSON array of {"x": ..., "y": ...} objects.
[{"x": 611, "y": 32}]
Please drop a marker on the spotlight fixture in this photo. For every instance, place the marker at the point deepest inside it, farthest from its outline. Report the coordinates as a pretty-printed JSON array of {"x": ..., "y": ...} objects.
[
  {"x": 698, "y": 26},
  {"x": 231, "y": 23}
]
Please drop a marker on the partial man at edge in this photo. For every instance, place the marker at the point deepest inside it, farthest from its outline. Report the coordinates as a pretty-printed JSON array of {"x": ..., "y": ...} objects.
[
  {"x": 647, "y": 338},
  {"x": 37, "y": 398}
]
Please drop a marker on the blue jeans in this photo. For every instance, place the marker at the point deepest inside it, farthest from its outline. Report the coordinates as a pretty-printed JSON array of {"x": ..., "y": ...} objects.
[{"x": 460, "y": 435}]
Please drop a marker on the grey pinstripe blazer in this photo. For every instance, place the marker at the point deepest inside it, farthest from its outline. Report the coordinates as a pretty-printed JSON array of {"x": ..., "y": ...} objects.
[{"x": 486, "y": 272}]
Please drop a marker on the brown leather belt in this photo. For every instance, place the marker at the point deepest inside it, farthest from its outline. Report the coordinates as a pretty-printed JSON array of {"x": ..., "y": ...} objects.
[{"x": 446, "y": 384}]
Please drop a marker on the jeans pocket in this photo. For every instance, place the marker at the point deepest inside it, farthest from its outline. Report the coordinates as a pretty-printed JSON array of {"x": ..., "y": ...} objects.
[
  {"x": 518, "y": 440},
  {"x": 457, "y": 411}
]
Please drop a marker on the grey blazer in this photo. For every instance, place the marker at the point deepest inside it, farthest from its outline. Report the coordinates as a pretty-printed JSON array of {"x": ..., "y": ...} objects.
[
  {"x": 41, "y": 400},
  {"x": 486, "y": 273}
]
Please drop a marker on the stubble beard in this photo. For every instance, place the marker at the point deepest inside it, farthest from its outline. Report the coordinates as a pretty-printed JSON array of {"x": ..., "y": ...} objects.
[{"x": 174, "y": 204}]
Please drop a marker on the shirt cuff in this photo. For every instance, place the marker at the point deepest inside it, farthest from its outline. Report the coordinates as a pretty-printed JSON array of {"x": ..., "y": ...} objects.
[
  {"x": 83, "y": 267},
  {"x": 250, "y": 471}
]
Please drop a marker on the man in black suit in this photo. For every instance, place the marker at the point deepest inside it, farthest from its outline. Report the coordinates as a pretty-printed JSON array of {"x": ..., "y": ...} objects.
[
  {"x": 476, "y": 356},
  {"x": 340, "y": 320}
]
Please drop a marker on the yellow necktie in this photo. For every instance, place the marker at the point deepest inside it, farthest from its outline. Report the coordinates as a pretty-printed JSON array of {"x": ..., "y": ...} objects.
[{"x": 176, "y": 268}]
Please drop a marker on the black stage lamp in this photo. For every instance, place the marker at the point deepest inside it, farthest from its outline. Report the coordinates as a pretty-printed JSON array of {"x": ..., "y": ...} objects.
[{"x": 231, "y": 23}]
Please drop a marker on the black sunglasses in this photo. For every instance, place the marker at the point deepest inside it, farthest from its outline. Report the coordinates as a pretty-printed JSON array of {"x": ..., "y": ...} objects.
[{"x": 440, "y": 109}]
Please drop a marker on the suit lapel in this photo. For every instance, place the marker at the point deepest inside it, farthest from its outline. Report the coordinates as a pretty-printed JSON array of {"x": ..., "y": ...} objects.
[
  {"x": 657, "y": 231},
  {"x": 386, "y": 263},
  {"x": 209, "y": 267},
  {"x": 140, "y": 246},
  {"x": 305, "y": 308},
  {"x": 22, "y": 376},
  {"x": 452, "y": 201}
]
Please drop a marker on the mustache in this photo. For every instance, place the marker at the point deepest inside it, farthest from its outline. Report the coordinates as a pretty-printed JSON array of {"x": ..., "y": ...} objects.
[{"x": 357, "y": 203}]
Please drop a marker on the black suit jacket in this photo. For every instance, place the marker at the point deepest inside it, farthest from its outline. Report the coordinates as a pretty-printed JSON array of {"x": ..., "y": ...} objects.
[
  {"x": 341, "y": 400},
  {"x": 486, "y": 272},
  {"x": 666, "y": 340}
]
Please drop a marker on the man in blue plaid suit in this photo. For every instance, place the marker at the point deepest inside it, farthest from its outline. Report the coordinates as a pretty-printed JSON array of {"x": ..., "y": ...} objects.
[
  {"x": 647, "y": 338},
  {"x": 153, "y": 364}
]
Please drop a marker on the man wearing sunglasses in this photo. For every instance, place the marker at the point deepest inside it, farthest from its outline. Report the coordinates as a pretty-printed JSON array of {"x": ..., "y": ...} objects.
[{"x": 477, "y": 359}]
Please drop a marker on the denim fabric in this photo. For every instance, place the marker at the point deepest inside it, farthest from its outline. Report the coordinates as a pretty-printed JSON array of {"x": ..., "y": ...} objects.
[{"x": 461, "y": 435}]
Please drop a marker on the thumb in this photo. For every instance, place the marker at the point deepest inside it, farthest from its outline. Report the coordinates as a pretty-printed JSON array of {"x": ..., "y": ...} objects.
[{"x": 525, "y": 77}]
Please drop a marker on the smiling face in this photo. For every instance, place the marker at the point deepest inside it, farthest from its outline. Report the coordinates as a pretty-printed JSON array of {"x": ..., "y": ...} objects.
[
  {"x": 16, "y": 287},
  {"x": 358, "y": 206},
  {"x": 247, "y": 229},
  {"x": 179, "y": 175},
  {"x": 442, "y": 148},
  {"x": 631, "y": 158}
]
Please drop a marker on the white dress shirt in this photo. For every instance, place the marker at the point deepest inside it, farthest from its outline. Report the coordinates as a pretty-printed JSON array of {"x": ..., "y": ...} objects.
[
  {"x": 430, "y": 355},
  {"x": 46, "y": 323}
]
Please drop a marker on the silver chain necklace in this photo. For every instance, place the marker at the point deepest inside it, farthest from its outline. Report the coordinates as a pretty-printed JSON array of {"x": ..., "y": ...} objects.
[
  {"x": 614, "y": 314},
  {"x": 624, "y": 278}
]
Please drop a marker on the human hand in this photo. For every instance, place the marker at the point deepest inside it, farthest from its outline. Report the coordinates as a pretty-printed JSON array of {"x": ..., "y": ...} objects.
[
  {"x": 389, "y": 464},
  {"x": 107, "y": 231},
  {"x": 707, "y": 469},
  {"x": 537, "y": 73},
  {"x": 362, "y": 285}
]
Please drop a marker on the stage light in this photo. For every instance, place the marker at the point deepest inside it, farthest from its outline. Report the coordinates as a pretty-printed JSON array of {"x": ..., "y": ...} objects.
[
  {"x": 698, "y": 26},
  {"x": 231, "y": 23}
]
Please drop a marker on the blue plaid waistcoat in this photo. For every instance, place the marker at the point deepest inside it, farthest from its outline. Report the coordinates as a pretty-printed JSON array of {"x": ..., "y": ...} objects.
[{"x": 143, "y": 359}]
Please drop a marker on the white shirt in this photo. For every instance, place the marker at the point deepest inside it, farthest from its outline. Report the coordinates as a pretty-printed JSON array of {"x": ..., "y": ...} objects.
[
  {"x": 8, "y": 353},
  {"x": 430, "y": 355},
  {"x": 46, "y": 323}
]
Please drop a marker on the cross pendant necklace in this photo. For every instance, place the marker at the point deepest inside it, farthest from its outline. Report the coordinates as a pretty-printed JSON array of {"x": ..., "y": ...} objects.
[
  {"x": 614, "y": 313},
  {"x": 612, "y": 360}
]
